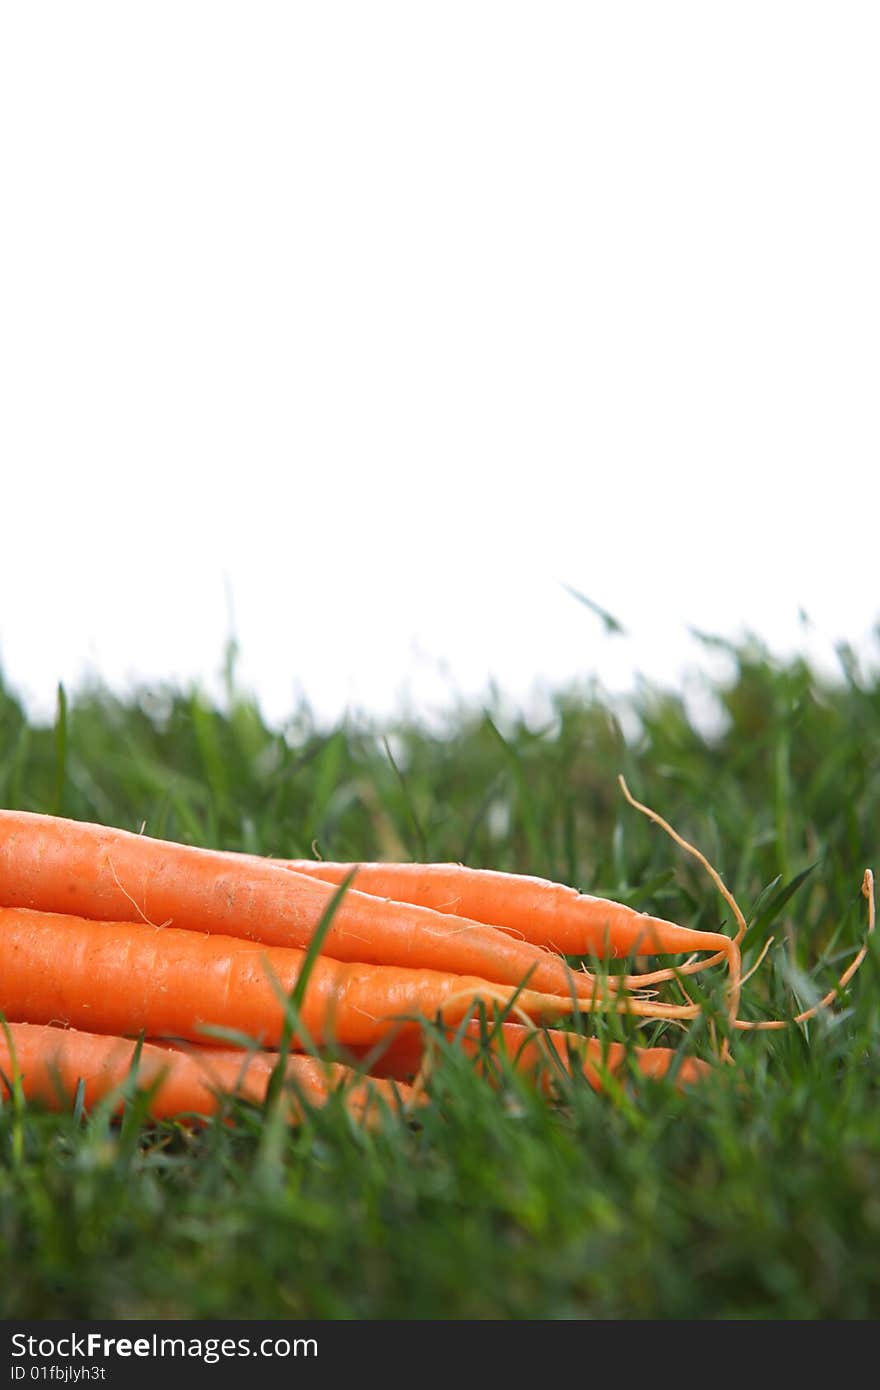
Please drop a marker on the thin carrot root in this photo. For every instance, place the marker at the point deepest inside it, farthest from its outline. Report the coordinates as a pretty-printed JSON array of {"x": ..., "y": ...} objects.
[
  {"x": 731, "y": 950},
  {"x": 737, "y": 979},
  {"x": 774, "y": 1024},
  {"x": 760, "y": 961}
]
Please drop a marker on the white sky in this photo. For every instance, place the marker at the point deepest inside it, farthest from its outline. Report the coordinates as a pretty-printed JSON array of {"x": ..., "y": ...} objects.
[{"x": 387, "y": 318}]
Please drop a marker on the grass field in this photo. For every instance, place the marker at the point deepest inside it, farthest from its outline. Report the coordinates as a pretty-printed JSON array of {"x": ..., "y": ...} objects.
[{"x": 755, "y": 1195}]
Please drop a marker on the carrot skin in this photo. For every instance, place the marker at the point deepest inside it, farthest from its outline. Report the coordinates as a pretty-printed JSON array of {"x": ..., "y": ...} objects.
[
  {"x": 49, "y": 1062},
  {"x": 539, "y": 911},
  {"x": 55, "y": 865},
  {"x": 126, "y": 977}
]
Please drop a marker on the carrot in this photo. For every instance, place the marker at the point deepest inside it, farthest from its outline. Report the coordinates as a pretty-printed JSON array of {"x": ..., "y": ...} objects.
[
  {"x": 537, "y": 910},
  {"x": 64, "y": 866},
  {"x": 537, "y": 1054},
  {"x": 49, "y": 1064},
  {"x": 127, "y": 977}
]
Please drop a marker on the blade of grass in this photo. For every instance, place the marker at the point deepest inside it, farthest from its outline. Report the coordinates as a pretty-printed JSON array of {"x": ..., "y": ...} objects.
[
  {"x": 268, "y": 1158},
  {"x": 525, "y": 799},
  {"x": 609, "y": 622},
  {"x": 408, "y": 802},
  {"x": 60, "y": 751},
  {"x": 774, "y": 905}
]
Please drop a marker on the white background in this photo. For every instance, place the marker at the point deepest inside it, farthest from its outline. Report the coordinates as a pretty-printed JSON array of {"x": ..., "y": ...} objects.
[{"x": 373, "y": 324}]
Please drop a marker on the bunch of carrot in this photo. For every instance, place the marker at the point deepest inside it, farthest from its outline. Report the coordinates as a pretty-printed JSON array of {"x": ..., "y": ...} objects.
[{"x": 107, "y": 936}]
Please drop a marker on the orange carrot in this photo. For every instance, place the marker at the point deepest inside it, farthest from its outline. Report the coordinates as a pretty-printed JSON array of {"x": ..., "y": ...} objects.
[
  {"x": 537, "y": 1054},
  {"x": 127, "y": 977},
  {"x": 65, "y": 866},
  {"x": 50, "y": 1062},
  {"x": 539, "y": 911}
]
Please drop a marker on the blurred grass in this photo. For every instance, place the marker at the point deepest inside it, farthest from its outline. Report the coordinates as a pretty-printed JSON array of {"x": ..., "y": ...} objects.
[{"x": 755, "y": 1195}]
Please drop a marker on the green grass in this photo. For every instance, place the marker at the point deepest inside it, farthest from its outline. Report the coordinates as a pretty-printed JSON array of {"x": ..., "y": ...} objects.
[{"x": 756, "y": 1194}]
